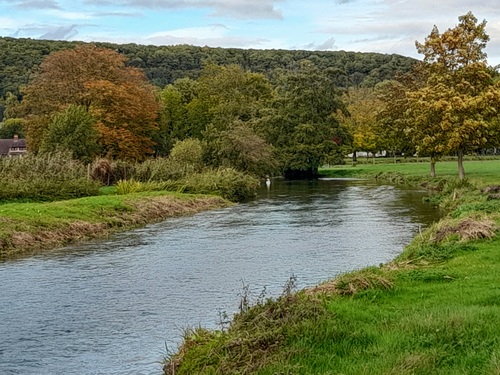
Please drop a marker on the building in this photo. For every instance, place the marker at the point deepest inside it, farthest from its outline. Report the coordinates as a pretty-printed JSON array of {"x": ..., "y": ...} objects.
[{"x": 12, "y": 147}]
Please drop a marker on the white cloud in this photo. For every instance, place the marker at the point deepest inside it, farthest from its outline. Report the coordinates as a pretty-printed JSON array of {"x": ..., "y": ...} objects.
[
  {"x": 66, "y": 15},
  {"x": 213, "y": 35},
  {"x": 38, "y": 4},
  {"x": 386, "y": 26},
  {"x": 240, "y": 9},
  {"x": 60, "y": 33}
]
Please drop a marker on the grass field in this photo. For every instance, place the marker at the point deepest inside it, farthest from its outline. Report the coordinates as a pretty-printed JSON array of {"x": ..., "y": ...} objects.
[
  {"x": 479, "y": 172},
  {"x": 29, "y": 227},
  {"x": 433, "y": 310}
]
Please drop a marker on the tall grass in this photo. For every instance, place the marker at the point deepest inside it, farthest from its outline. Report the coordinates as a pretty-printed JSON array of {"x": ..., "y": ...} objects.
[{"x": 44, "y": 177}]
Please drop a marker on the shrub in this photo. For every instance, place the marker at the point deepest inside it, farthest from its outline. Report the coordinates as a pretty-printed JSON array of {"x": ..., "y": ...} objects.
[
  {"x": 185, "y": 159},
  {"x": 160, "y": 169},
  {"x": 109, "y": 172},
  {"x": 226, "y": 182}
]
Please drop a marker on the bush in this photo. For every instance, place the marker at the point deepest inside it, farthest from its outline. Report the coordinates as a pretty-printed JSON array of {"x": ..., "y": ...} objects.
[
  {"x": 109, "y": 172},
  {"x": 185, "y": 159},
  {"x": 226, "y": 182},
  {"x": 160, "y": 169},
  {"x": 50, "y": 166}
]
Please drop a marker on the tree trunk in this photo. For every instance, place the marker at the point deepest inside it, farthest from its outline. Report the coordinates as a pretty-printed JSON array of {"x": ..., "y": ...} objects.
[
  {"x": 433, "y": 167},
  {"x": 354, "y": 157},
  {"x": 461, "y": 171}
]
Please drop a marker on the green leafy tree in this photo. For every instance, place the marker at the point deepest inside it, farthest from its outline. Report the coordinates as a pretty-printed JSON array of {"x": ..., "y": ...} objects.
[
  {"x": 229, "y": 100},
  {"x": 392, "y": 122},
  {"x": 244, "y": 150},
  {"x": 302, "y": 123},
  {"x": 456, "y": 110},
  {"x": 72, "y": 130},
  {"x": 230, "y": 93},
  {"x": 173, "y": 125},
  {"x": 11, "y": 127}
]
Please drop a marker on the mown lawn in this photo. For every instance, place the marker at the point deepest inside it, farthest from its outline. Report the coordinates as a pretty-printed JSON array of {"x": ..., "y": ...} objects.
[{"x": 479, "y": 172}]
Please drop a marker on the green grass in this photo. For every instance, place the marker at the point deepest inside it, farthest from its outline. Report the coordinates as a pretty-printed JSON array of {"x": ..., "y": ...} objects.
[
  {"x": 434, "y": 310},
  {"x": 33, "y": 226},
  {"x": 479, "y": 172}
]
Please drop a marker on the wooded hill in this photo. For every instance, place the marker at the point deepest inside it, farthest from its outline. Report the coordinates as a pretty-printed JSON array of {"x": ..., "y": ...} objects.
[{"x": 164, "y": 64}]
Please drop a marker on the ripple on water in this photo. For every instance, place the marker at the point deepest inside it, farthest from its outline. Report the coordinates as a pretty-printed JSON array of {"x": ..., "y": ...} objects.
[{"x": 111, "y": 307}]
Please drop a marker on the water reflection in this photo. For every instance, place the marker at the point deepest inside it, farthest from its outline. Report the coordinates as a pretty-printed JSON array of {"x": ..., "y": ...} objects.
[{"x": 107, "y": 307}]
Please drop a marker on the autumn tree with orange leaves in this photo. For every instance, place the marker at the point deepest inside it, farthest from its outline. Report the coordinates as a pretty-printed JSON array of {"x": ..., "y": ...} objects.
[{"x": 120, "y": 99}]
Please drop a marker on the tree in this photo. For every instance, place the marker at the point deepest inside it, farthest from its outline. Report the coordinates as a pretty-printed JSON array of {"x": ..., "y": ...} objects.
[
  {"x": 242, "y": 149},
  {"x": 126, "y": 118},
  {"x": 392, "y": 122},
  {"x": 228, "y": 101},
  {"x": 119, "y": 97},
  {"x": 457, "y": 108},
  {"x": 72, "y": 130},
  {"x": 11, "y": 127},
  {"x": 231, "y": 93},
  {"x": 301, "y": 124},
  {"x": 361, "y": 119}
]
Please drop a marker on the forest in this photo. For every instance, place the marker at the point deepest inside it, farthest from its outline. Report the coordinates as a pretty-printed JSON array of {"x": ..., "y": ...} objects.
[
  {"x": 256, "y": 112},
  {"x": 165, "y": 64}
]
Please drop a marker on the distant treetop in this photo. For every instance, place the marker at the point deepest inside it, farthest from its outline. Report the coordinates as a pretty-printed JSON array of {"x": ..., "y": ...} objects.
[{"x": 164, "y": 64}]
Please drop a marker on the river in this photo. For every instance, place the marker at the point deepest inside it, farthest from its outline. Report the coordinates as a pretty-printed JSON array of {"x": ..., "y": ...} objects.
[{"x": 116, "y": 306}]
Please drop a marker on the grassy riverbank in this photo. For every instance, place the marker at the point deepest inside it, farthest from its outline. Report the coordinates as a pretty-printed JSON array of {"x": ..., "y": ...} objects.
[
  {"x": 29, "y": 227},
  {"x": 433, "y": 310}
]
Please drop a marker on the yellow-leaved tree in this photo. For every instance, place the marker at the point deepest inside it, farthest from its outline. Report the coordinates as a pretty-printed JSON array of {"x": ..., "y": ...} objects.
[{"x": 457, "y": 108}]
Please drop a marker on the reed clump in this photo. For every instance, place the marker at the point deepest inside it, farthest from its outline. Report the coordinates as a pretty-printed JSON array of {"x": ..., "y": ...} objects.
[{"x": 44, "y": 177}]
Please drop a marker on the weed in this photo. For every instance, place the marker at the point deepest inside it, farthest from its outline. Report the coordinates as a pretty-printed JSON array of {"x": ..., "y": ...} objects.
[
  {"x": 354, "y": 282},
  {"x": 132, "y": 186}
]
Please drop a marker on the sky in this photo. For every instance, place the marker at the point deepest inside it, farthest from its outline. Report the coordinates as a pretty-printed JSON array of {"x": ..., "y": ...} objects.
[{"x": 385, "y": 26}]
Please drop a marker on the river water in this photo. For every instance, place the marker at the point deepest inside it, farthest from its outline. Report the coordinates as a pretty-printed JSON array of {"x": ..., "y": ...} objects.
[{"x": 116, "y": 306}]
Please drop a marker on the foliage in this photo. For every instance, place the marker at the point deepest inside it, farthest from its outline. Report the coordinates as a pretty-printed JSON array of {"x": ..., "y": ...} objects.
[
  {"x": 126, "y": 116},
  {"x": 189, "y": 153},
  {"x": 241, "y": 148},
  {"x": 457, "y": 108},
  {"x": 392, "y": 122},
  {"x": 119, "y": 98},
  {"x": 109, "y": 172},
  {"x": 41, "y": 189},
  {"x": 11, "y": 127},
  {"x": 165, "y": 64},
  {"x": 301, "y": 124},
  {"x": 185, "y": 158},
  {"x": 45, "y": 177},
  {"x": 232, "y": 93},
  {"x": 360, "y": 117},
  {"x": 72, "y": 130},
  {"x": 173, "y": 124},
  {"x": 226, "y": 182}
]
